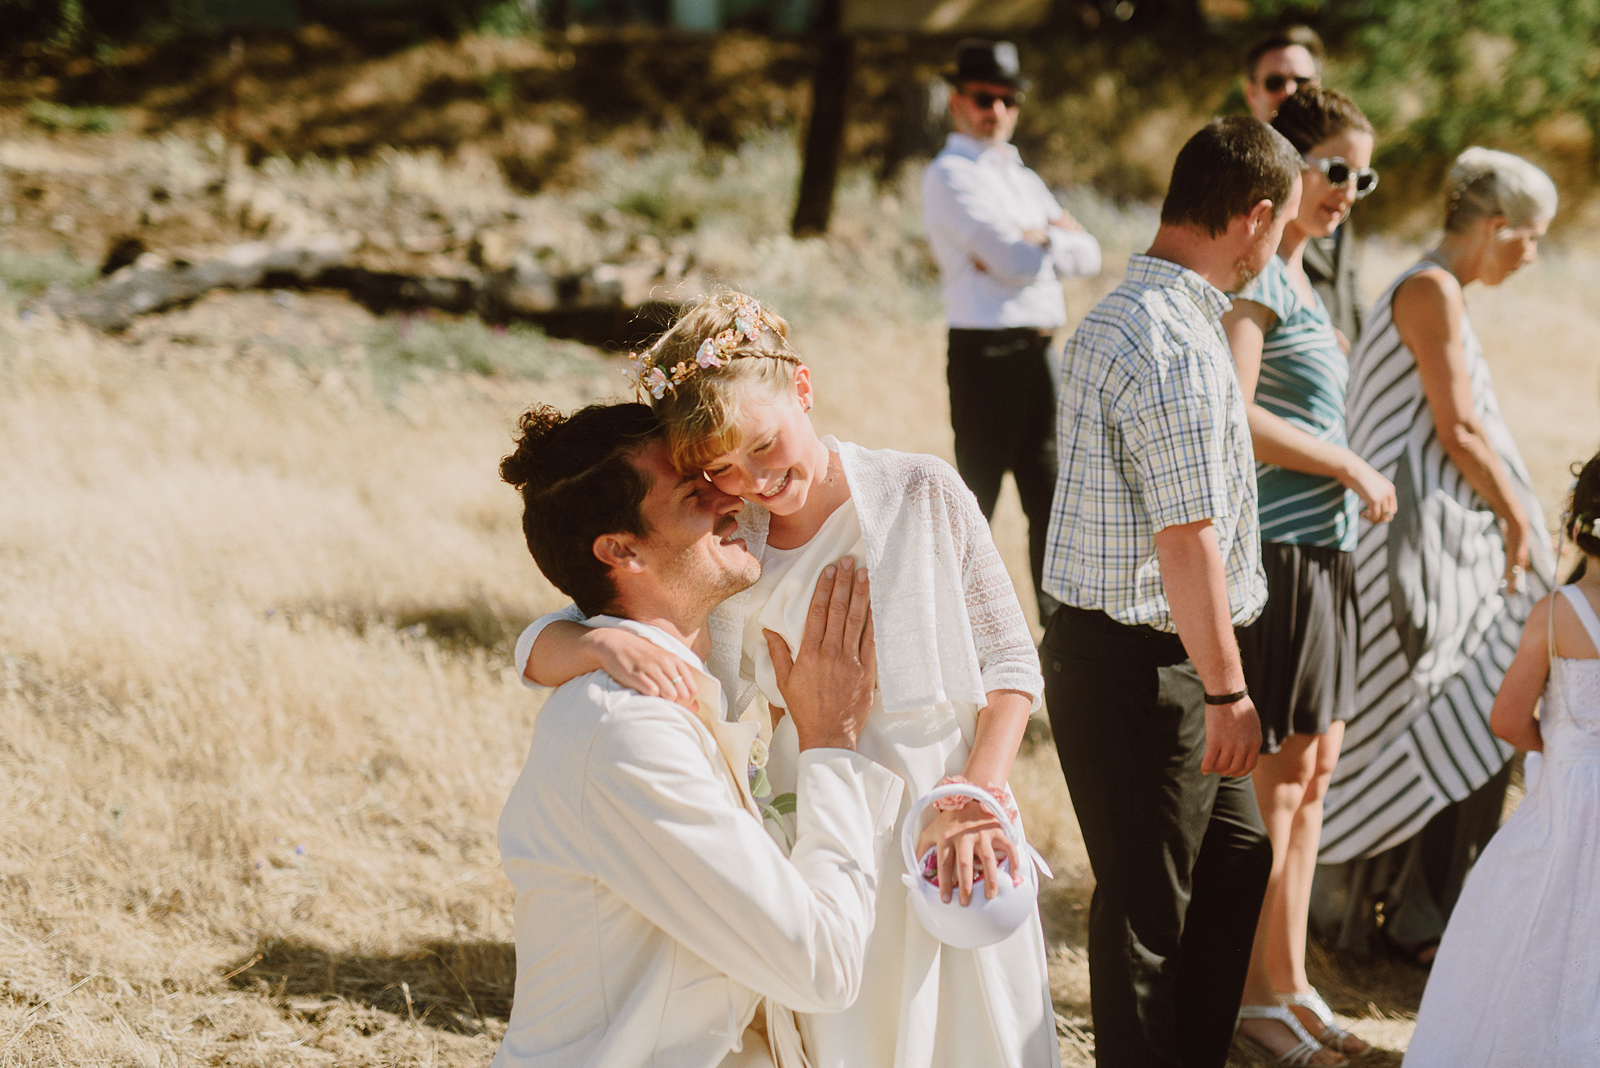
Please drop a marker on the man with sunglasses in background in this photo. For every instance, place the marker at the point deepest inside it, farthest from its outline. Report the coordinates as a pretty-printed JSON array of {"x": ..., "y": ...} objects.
[
  {"x": 1003, "y": 245},
  {"x": 1274, "y": 67}
]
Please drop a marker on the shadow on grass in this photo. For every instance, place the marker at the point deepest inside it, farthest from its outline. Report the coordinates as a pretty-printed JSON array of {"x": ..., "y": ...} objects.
[{"x": 453, "y": 986}]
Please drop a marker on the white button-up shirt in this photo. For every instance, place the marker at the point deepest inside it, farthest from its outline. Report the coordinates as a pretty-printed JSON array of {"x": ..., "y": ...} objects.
[
  {"x": 977, "y": 199},
  {"x": 654, "y": 915}
]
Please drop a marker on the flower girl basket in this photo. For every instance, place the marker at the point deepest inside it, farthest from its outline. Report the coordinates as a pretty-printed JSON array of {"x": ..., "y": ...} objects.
[{"x": 986, "y": 920}]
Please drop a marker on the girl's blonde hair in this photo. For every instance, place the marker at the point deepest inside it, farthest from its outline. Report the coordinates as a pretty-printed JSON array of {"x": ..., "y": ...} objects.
[
  {"x": 1484, "y": 182},
  {"x": 697, "y": 399}
]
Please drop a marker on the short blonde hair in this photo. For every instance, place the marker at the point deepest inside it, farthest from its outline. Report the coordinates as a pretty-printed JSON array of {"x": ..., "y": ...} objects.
[
  {"x": 700, "y": 413},
  {"x": 1484, "y": 183}
]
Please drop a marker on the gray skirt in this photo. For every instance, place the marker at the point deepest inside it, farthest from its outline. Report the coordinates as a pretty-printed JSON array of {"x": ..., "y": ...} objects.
[{"x": 1300, "y": 655}]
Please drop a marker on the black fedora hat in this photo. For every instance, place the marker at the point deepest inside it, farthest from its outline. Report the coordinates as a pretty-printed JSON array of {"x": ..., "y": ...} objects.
[{"x": 986, "y": 61}]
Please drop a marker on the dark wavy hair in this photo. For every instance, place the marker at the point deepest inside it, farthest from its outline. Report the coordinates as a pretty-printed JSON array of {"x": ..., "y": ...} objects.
[
  {"x": 578, "y": 481},
  {"x": 1583, "y": 514},
  {"x": 1314, "y": 114}
]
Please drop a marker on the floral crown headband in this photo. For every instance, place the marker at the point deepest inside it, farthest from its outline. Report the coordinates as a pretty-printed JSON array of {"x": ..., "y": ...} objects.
[{"x": 748, "y": 323}]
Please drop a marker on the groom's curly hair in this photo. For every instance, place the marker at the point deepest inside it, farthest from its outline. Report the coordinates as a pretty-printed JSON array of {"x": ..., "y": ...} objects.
[{"x": 578, "y": 481}]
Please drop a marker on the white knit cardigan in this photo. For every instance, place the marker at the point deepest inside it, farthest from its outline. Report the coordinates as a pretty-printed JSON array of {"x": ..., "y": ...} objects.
[{"x": 947, "y": 620}]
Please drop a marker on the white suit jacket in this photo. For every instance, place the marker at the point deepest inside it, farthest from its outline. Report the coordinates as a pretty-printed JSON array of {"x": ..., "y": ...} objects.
[{"x": 654, "y": 915}]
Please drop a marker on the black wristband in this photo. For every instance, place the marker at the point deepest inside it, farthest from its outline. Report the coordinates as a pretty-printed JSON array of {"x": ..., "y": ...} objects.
[{"x": 1226, "y": 698}]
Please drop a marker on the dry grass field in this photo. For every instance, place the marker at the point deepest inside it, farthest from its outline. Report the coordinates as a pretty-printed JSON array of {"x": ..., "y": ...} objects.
[{"x": 256, "y": 718}]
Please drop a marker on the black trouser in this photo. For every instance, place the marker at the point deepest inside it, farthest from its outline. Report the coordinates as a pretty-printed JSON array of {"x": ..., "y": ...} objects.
[
  {"x": 1180, "y": 859},
  {"x": 1003, "y": 410}
]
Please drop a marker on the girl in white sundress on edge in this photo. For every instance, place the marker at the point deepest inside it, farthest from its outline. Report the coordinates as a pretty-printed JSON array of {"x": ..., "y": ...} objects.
[
  {"x": 1516, "y": 983},
  {"x": 958, "y": 674}
]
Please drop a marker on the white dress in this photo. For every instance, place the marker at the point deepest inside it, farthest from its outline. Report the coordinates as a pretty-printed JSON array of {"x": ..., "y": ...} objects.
[
  {"x": 1516, "y": 983},
  {"x": 922, "y": 1003}
]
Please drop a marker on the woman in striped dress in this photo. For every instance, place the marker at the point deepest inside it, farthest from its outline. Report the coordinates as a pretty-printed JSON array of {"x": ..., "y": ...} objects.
[
  {"x": 1299, "y": 656},
  {"x": 1445, "y": 589}
]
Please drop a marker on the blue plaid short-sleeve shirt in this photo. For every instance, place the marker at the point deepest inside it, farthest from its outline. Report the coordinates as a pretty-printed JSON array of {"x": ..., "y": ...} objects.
[{"x": 1152, "y": 433}]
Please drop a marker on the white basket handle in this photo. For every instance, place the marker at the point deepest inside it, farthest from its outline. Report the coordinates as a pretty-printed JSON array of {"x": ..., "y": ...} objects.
[{"x": 913, "y": 825}]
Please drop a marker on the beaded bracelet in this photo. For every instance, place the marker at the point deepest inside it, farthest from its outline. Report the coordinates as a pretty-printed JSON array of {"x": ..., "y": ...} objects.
[{"x": 1001, "y": 794}]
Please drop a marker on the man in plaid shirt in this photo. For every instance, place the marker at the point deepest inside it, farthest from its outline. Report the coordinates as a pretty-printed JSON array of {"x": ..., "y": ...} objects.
[{"x": 1154, "y": 552}]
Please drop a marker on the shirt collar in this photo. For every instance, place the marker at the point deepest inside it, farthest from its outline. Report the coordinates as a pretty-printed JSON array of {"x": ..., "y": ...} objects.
[
  {"x": 1152, "y": 271},
  {"x": 972, "y": 148},
  {"x": 712, "y": 706},
  {"x": 654, "y": 635}
]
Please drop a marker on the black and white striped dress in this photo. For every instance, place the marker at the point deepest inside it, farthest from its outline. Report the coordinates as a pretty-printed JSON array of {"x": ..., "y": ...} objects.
[{"x": 1437, "y": 632}]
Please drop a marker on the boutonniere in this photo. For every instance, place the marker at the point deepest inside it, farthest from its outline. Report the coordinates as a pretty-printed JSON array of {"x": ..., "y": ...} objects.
[
  {"x": 759, "y": 752},
  {"x": 772, "y": 808}
]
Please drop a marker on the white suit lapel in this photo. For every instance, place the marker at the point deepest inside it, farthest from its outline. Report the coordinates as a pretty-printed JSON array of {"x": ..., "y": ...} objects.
[{"x": 733, "y": 739}]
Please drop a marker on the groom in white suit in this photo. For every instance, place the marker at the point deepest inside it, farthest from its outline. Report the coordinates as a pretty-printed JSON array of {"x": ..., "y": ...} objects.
[{"x": 656, "y": 922}]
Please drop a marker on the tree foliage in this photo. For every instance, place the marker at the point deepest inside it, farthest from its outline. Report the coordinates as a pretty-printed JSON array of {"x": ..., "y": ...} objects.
[
  {"x": 81, "y": 26},
  {"x": 1438, "y": 75}
]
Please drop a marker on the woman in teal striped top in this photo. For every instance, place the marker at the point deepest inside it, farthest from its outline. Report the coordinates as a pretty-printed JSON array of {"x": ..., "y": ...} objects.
[{"x": 1300, "y": 655}]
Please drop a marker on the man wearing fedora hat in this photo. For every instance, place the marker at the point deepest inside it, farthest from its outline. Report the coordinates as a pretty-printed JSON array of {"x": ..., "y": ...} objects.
[{"x": 1002, "y": 244}]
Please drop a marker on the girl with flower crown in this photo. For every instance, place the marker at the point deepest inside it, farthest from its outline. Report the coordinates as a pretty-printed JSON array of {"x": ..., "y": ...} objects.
[{"x": 958, "y": 674}]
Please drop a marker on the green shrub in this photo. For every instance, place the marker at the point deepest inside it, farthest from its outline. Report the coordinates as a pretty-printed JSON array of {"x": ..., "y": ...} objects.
[
  {"x": 507, "y": 18},
  {"x": 1437, "y": 77},
  {"x": 29, "y": 273},
  {"x": 85, "y": 26},
  {"x": 61, "y": 117},
  {"x": 675, "y": 187},
  {"x": 397, "y": 348}
]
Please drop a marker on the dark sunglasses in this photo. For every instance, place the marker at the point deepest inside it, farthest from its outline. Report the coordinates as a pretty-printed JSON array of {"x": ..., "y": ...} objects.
[
  {"x": 1338, "y": 173},
  {"x": 1274, "y": 83},
  {"x": 987, "y": 100}
]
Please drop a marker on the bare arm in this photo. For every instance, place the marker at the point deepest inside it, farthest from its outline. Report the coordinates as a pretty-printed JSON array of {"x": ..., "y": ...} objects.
[
  {"x": 1197, "y": 597},
  {"x": 969, "y": 839},
  {"x": 998, "y": 737},
  {"x": 1512, "y": 718},
  {"x": 1428, "y": 311},
  {"x": 1278, "y": 441},
  {"x": 565, "y": 649}
]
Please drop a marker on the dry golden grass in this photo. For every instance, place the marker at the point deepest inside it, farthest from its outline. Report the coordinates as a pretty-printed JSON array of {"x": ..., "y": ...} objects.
[
  {"x": 256, "y": 724},
  {"x": 218, "y": 743}
]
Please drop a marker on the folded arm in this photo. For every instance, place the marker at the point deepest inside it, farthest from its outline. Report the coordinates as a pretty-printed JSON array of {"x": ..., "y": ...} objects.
[
  {"x": 957, "y": 202},
  {"x": 1073, "y": 249}
]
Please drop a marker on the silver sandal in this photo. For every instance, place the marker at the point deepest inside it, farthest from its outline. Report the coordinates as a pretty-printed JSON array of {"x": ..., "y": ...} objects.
[
  {"x": 1297, "y": 1057},
  {"x": 1333, "y": 1036}
]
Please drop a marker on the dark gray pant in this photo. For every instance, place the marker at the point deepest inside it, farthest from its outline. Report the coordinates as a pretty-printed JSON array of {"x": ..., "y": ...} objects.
[
  {"x": 1003, "y": 411},
  {"x": 1180, "y": 859}
]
